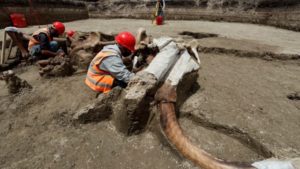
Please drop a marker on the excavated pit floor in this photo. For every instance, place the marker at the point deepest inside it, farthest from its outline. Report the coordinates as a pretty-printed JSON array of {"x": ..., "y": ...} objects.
[
  {"x": 241, "y": 111},
  {"x": 287, "y": 41}
]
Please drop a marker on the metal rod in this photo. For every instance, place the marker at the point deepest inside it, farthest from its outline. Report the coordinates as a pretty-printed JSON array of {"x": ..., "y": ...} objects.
[
  {"x": 9, "y": 50},
  {"x": 3, "y": 48}
]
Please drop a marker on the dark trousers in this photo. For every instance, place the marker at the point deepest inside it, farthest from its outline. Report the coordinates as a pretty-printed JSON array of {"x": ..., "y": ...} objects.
[{"x": 119, "y": 83}]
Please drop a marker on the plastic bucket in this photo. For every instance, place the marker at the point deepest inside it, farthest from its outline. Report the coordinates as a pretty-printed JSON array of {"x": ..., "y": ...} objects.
[
  {"x": 18, "y": 20},
  {"x": 159, "y": 20}
]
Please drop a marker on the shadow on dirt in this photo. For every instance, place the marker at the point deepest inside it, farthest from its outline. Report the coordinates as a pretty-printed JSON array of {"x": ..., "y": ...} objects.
[{"x": 198, "y": 35}]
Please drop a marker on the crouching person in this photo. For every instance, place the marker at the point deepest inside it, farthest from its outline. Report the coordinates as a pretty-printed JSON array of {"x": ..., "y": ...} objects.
[
  {"x": 41, "y": 44},
  {"x": 107, "y": 69}
]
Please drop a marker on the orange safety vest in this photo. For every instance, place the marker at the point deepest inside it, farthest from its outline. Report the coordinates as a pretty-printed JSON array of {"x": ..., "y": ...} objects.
[
  {"x": 97, "y": 79},
  {"x": 33, "y": 41}
]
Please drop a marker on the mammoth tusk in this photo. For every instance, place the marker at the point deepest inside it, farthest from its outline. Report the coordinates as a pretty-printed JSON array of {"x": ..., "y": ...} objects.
[{"x": 172, "y": 130}]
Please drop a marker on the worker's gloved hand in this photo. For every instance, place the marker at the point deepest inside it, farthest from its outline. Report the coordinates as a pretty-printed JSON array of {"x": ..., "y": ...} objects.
[
  {"x": 127, "y": 60},
  {"x": 135, "y": 70}
]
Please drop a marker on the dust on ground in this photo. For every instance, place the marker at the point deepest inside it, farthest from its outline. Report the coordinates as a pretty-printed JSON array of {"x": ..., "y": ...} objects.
[{"x": 240, "y": 111}]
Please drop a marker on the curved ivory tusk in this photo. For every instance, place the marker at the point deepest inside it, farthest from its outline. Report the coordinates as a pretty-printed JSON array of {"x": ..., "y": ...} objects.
[{"x": 166, "y": 96}]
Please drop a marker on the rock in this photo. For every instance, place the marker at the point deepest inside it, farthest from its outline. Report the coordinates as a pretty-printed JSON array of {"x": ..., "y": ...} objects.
[
  {"x": 14, "y": 83},
  {"x": 294, "y": 96},
  {"x": 100, "y": 110},
  {"x": 132, "y": 113},
  {"x": 58, "y": 66},
  {"x": 296, "y": 163},
  {"x": 83, "y": 59}
]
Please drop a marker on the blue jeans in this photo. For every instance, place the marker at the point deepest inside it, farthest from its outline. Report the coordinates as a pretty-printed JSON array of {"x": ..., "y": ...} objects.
[{"x": 36, "y": 50}]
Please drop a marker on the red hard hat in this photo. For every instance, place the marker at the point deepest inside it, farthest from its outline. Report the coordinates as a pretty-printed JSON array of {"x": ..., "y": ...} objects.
[
  {"x": 60, "y": 27},
  {"x": 127, "y": 40},
  {"x": 70, "y": 33}
]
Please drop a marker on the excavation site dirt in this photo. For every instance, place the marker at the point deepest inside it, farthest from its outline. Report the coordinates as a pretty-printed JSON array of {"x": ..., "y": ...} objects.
[{"x": 243, "y": 105}]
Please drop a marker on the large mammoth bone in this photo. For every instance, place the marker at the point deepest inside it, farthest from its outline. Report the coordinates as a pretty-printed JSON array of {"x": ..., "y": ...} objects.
[
  {"x": 131, "y": 108},
  {"x": 84, "y": 46},
  {"x": 166, "y": 96}
]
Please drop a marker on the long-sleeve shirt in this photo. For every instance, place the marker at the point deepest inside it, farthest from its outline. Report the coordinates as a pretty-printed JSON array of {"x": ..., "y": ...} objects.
[
  {"x": 44, "y": 41},
  {"x": 114, "y": 64}
]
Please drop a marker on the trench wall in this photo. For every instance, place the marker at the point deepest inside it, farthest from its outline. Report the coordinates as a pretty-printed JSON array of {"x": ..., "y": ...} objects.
[
  {"x": 283, "y": 14},
  {"x": 38, "y": 13},
  {"x": 279, "y": 13}
]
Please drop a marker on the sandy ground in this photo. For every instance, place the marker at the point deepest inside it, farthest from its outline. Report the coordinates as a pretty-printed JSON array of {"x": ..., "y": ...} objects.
[
  {"x": 287, "y": 41},
  {"x": 240, "y": 112}
]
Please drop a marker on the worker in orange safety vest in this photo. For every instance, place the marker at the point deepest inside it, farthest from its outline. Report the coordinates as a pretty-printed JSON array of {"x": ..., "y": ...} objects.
[
  {"x": 107, "y": 69},
  {"x": 41, "y": 44}
]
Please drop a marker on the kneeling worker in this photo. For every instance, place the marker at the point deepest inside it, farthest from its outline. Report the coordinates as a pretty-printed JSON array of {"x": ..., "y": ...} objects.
[
  {"x": 41, "y": 44},
  {"x": 107, "y": 69}
]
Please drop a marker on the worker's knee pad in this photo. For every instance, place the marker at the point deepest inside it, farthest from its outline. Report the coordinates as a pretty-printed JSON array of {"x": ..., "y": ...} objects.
[
  {"x": 53, "y": 46},
  {"x": 35, "y": 51}
]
